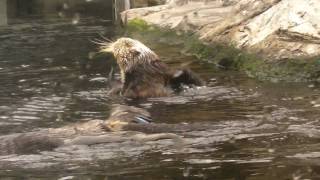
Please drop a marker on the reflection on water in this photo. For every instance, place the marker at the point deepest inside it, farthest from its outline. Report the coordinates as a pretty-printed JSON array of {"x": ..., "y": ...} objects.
[
  {"x": 41, "y": 65},
  {"x": 65, "y": 9},
  {"x": 252, "y": 130}
]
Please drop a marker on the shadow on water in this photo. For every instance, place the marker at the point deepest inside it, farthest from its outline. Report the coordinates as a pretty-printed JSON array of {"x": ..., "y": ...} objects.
[{"x": 50, "y": 76}]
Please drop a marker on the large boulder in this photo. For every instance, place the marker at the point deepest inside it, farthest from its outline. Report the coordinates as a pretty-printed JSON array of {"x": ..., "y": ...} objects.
[{"x": 277, "y": 29}]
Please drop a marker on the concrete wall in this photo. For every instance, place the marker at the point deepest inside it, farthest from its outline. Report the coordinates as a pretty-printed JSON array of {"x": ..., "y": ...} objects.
[
  {"x": 146, "y": 3},
  {"x": 118, "y": 7},
  {"x": 3, "y": 12},
  {"x": 49, "y": 8},
  {"x": 97, "y": 8}
]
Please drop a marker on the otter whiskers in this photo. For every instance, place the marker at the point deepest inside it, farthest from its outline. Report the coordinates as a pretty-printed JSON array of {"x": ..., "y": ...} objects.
[
  {"x": 143, "y": 74},
  {"x": 104, "y": 43}
]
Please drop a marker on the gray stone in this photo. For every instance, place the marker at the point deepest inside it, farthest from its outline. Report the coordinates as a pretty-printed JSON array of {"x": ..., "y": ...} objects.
[{"x": 277, "y": 29}]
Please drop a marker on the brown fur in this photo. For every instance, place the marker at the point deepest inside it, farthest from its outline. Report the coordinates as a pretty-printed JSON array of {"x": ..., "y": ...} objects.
[
  {"x": 122, "y": 115},
  {"x": 143, "y": 74},
  {"x": 87, "y": 133}
]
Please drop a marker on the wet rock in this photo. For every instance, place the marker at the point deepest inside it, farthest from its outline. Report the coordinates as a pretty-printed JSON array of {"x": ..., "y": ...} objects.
[{"x": 277, "y": 29}]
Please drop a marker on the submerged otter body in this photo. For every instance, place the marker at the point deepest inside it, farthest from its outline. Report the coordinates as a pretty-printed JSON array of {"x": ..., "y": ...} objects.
[
  {"x": 143, "y": 74},
  {"x": 122, "y": 118}
]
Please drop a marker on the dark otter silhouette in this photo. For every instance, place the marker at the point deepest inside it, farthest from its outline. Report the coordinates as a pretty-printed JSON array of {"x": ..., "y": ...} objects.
[
  {"x": 122, "y": 118},
  {"x": 143, "y": 74}
]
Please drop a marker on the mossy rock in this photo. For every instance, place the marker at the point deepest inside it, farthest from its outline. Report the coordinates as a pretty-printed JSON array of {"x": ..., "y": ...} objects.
[{"x": 229, "y": 57}]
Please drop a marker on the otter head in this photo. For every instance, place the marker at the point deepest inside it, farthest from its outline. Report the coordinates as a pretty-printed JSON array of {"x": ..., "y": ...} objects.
[
  {"x": 122, "y": 115},
  {"x": 129, "y": 53}
]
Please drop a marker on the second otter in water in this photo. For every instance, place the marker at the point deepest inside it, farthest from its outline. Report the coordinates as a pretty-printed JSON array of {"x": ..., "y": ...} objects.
[
  {"x": 143, "y": 74},
  {"x": 122, "y": 118}
]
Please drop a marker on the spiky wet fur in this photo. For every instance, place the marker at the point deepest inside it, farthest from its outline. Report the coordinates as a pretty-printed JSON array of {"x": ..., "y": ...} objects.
[{"x": 142, "y": 72}]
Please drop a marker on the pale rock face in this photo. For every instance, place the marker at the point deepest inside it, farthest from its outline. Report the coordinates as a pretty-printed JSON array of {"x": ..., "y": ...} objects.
[
  {"x": 290, "y": 21},
  {"x": 175, "y": 3},
  {"x": 277, "y": 28}
]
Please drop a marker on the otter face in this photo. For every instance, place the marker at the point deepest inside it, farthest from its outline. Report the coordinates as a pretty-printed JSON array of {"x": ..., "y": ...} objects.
[
  {"x": 122, "y": 115},
  {"x": 124, "y": 46},
  {"x": 129, "y": 52}
]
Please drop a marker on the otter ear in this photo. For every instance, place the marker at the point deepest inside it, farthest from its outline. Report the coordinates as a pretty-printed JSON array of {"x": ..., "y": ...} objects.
[{"x": 135, "y": 51}]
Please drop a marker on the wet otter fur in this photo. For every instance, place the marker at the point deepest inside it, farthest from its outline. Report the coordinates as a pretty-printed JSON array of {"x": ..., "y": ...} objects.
[
  {"x": 122, "y": 118},
  {"x": 143, "y": 74}
]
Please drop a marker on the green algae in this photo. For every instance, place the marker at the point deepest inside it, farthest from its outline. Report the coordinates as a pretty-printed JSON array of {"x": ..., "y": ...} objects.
[{"x": 226, "y": 56}]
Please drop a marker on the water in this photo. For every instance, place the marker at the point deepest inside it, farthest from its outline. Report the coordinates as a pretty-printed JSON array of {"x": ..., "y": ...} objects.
[{"x": 253, "y": 130}]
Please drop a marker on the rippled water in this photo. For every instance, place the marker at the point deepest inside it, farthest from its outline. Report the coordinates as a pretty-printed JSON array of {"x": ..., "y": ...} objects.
[{"x": 253, "y": 130}]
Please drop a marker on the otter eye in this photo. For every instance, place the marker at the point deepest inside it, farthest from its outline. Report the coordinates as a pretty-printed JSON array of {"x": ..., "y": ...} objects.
[
  {"x": 127, "y": 44},
  {"x": 135, "y": 52}
]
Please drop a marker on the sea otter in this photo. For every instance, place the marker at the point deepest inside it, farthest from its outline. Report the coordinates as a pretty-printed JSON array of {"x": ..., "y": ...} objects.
[
  {"x": 143, "y": 74},
  {"x": 122, "y": 119}
]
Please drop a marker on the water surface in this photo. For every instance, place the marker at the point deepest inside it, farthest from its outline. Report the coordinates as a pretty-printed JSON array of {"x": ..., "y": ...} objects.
[{"x": 50, "y": 77}]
